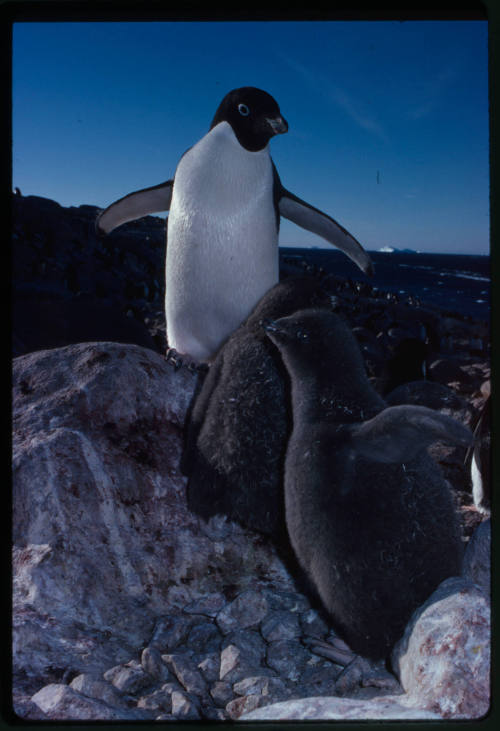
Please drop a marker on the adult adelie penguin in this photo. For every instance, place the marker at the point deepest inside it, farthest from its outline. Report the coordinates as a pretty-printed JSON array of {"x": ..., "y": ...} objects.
[
  {"x": 369, "y": 516},
  {"x": 225, "y": 203}
]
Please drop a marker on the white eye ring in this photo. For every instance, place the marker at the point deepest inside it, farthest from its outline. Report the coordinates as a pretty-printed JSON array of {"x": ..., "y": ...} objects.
[{"x": 243, "y": 110}]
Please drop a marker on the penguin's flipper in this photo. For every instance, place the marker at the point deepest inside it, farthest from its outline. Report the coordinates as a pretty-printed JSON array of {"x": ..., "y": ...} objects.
[
  {"x": 398, "y": 433},
  {"x": 135, "y": 205},
  {"x": 312, "y": 219}
]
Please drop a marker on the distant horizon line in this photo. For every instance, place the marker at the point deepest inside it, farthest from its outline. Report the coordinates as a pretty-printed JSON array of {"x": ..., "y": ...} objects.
[{"x": 395, "y": 250}]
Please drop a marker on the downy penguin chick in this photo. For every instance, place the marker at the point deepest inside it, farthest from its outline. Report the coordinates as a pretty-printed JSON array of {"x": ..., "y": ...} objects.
[
  {"x": 239, "y": 422},
  {"x": 370, "y": 518}
]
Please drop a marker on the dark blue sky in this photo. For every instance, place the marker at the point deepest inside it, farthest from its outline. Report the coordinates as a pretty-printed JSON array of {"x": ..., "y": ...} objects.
[{"x": 388, "y": 120}]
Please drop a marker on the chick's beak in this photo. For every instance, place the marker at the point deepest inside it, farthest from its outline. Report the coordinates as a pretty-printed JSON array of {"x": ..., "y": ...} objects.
[{"x": 269, "y": 325}]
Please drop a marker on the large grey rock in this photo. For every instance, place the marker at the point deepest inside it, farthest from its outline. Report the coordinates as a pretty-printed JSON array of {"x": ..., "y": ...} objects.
[
  {"x": 443, "y": 659},
  {"x": 337, "y": 709},
  {"x": 104, "y": 544}
]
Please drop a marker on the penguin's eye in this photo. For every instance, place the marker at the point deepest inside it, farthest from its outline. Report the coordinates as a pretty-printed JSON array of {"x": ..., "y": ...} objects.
[
  {"x": 243, "y": 110},
  {"x": 301, "y": 335}
]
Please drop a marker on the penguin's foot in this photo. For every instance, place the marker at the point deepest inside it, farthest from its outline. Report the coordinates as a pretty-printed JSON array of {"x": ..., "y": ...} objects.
[{"x": 178, "y": 361}]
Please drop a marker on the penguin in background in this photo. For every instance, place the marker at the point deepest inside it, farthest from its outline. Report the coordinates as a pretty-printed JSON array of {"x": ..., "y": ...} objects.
[
  {"x": 370, "y": 518},
  {"x": 237, "y": 429},
  {"x": 225, "y": 203},
  {"x": 478, "y": 458}
]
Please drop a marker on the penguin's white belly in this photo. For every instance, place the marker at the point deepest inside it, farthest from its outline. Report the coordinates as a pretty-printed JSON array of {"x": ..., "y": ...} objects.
[{"x": 222, "y": 248}]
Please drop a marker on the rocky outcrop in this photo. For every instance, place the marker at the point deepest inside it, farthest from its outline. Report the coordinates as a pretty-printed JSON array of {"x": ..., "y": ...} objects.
[
  {"x": 118, "y": 588},
  {"x": 443, "y": 659},
  {"x": 103, "y": 540},
  {"x": 125, "y": 604},
  {"x": 71, "y": 287}
]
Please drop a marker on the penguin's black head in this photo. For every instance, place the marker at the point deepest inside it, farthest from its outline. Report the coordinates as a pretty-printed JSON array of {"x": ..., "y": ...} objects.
[
  {"x": 253, "y": 115},
  {"x": 311, "y": 334},
  {"x": 320, "y": 341}
]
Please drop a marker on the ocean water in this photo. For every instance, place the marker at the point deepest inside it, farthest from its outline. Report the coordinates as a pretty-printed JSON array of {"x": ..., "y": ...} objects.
[{"x": 453, "y": 282}]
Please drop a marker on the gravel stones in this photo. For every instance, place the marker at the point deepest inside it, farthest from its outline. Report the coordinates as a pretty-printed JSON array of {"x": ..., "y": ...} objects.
[
  {"x": 210, "y": 667},
  {"x": 252, "y": 670},
  {"x": 318, "y": 677},
  {"x": 94, "y": 687},
  {"x": 152, "y": 664},
  {"x": 287, "y": 657},
  {"x": 222, "y": 693},
  {"x": 204, "y": 634},
  {"x": 159, "y": 700},
  {"x": 281, "y": 625},
  {"x": 251, "y": 644},
  {"x": 292, "y": 601},
  {"x": 170, "y": 631},
  {"x": 209, "y": 605},
  {"x": 128, "y": 679},
  {"x": 60, "y": 702},
  {"x": 234, "y": 664},
  {"x": 312, "y": 625},
  {"x": 244, "y": 704},
  {"x": 262, "y": 685},
  {"x": 185, "y": 706},
  {"x": 247, "y": 610},
  {"x": 186, "y": 673}
]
